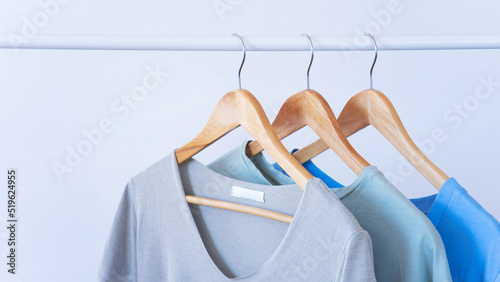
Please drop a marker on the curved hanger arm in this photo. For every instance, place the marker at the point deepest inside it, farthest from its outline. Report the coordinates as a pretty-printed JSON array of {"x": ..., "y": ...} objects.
[
  {"x": 373, "y": 107},
  {"x": 240, "y": 107},
  {"x": 308, "y": 107},
  {"x": 224, "y": 119}
]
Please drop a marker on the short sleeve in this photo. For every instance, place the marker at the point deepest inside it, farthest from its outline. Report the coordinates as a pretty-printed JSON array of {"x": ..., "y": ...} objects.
[
  {"x": 119, "y": 261},
  {"x": 357, "y": 259}
]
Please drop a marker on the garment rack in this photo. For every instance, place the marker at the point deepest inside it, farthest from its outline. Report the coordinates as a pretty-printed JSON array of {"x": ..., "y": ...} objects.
[{"x": 227, "y": 43}]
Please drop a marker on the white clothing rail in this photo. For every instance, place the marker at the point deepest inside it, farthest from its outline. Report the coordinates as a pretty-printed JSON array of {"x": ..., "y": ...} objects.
[{"x": 230, "y": 43}]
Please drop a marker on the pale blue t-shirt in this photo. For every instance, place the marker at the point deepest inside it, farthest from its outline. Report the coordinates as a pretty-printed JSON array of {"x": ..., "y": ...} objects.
[
  {"x": 406, "y": 246},
  {"x": 470, "y": 234}
]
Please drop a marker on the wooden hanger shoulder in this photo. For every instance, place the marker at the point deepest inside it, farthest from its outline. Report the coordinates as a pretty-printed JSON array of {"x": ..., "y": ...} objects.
[
  {"x": 308, "y": 107},
  {"x": 373, "y": 107}
]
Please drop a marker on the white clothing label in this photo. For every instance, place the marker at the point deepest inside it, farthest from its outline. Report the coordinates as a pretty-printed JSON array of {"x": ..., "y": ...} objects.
[{"x": 249, "y": 194}]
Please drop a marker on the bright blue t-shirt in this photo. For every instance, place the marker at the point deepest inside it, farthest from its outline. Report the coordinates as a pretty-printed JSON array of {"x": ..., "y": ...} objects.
[
  {"x": 470, "y": 234},
  {"x": 315, "y": 171}
]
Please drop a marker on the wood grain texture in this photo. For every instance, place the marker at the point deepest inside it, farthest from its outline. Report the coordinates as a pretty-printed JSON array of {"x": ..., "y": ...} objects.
[
  {"x": 309, "y": 108},
  {"x": 373, "y": 107},
  {"x": 239, "y": 208},
  {"x": 224, "y": 119}
]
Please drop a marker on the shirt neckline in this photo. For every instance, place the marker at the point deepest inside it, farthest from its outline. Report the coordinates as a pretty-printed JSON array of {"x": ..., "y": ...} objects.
[
  {"x": 259, "y": 166},
  {"x": 266, "y": 170},
  {"x": 286, "y": 243},
  {"x": 343, "y": 192},
  {"x": 442, "y": 201}
]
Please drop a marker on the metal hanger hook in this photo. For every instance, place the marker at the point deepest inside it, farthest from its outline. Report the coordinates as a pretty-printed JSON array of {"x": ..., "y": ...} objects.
[
  {"x": 374, "y": 59},
  {"x": 244, "y": 56},
  {"x": 312, "y": 57}
]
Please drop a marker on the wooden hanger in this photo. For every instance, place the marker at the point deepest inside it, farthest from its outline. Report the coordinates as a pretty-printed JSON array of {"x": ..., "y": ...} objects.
[
  {"x": 240, "y": 107},
  {"x": 373, "y": 107},
  {"x": 308, "y": 107}
]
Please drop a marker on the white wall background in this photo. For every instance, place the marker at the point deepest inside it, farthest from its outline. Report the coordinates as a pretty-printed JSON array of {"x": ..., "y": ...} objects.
[{"x": 50, "y": 97}]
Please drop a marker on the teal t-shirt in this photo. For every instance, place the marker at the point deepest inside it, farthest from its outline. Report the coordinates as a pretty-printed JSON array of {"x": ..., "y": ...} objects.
[{"x": 406, "y": 246}]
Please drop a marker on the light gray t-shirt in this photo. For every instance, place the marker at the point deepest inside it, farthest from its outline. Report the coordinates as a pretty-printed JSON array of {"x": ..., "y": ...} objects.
[
  {"x": 157, "y": 236},
  {"x": 406, "y": 245}
]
